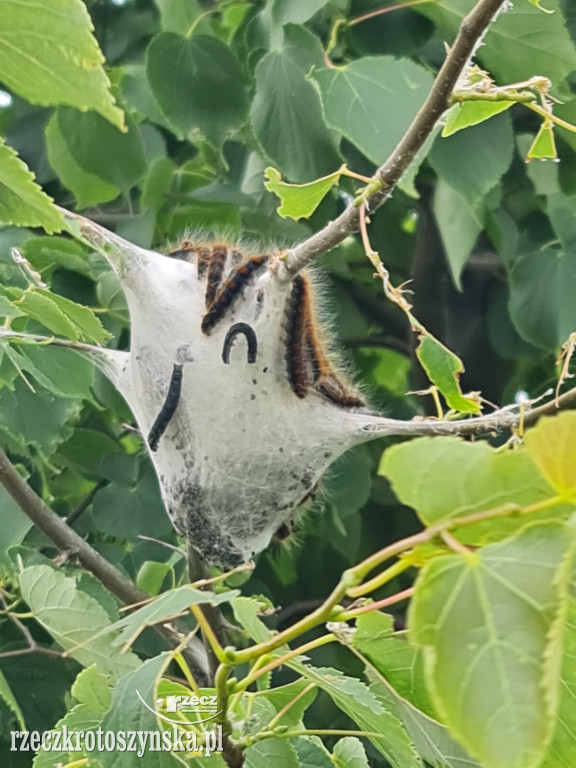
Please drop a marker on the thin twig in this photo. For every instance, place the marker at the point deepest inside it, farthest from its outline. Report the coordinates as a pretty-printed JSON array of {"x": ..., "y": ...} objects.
[
  {"x": 387, "y": 176},
  {"x": 69, "y": 542},
  {"x": 31, "y": 644}
]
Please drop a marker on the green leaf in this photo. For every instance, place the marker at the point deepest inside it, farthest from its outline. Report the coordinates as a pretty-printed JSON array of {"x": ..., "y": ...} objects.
[
  {"x": 48, "y": 253},
  {"x": 73, "y": 618},
  {"x": 80, "y": 719},
  {"x": 151, "y": 576},
  {"x": 457, "y": 478},
  {"x": 205, "y": 91},
  {"x": 166, "y": 606},
  {"x": 49, "y": 56},
  {"x": 407, "y": 182},
  {"x": 562, "y": 214},
  {"x": 40, "y": 305},
  {"x": 247, "y": 611},
  {"x": 544, "y": 145},
  {"x": 485, "y": 622},
  {"x": 86, "y": 187},
  {"x": 373, "y": 100},
  {"x": 91, "y": 688},
  {"x": 552, "y": 446},
  {"x": 472, "y": 162},
  {"x": 348, "y": 488},
  {"x": 157, "y": 183},
  {"x": 399, "y": 662},
  {"x": 542, "y": 307},
  {"x": 268, "y": 752},
  {"x": 7, "y": 308},
  {"x": 290, "y": 697},
  {"x": 432, "y": 740},
  {"x": 303, "y": 150},
  {"x": 371, "y": 630},
  {"x": 355, "y": 699},
  {"x": 178, "y": 15},
  {"x": 102, "y": 150},
  {"x": 22, "y": 202},
  {"x": 88, "y": 451},
  {"x": 61, "y": 315},
  {"x": 63, "y": 372},
  {"x": 36, "y": 419},
  {"x": 443, "y": 368},
  {"x": 470, "y": 113},
  {"x": 127, "y": 511},
  {"x": 14, "y": 525},
  {"x": 8, "y": 698},
  {"x": 299, "y": 201},
  {"x": 459, "y": 224},
  {"x": 312, "y": 753},
  {"x": 350, "y": 753},
  {"x": 295, "y": 11},
  {"x": 128, "y": 713},
  {"x": 544, "y": 176},
  {"x": 519, "y": 43},
  {"x": 87, "y": 324},
  {"x": 560, "y": 752}
]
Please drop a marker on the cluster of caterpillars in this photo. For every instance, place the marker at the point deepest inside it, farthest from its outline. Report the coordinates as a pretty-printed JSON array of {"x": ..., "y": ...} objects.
[{"x": 307, "y": 365}]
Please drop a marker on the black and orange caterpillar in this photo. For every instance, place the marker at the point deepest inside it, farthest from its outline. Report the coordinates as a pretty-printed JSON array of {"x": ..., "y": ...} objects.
[{"x": 228, "y": 273}]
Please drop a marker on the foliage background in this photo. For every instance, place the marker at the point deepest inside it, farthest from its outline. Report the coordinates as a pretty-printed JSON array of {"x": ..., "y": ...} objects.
[{"x": 213, "y": 94}]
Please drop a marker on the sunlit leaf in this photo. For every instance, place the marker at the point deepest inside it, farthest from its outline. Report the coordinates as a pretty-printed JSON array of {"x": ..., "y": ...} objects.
[
  {"x": 49, "y": 55},
  {"x": 470, "y": 113},
  {"x": 443, "y": 368},
  {"x": 22, "y": 202},
  {"x": 544, "y": 145},
  {"x": 299, "y": 201},
  {"x": 485, "y": 623}
]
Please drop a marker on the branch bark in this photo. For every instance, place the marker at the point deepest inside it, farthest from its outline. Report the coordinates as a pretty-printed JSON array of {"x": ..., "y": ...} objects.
[
  {"x": 70, "y": 543},
  {"x": 388, "y": 175},
  {"x": 507, "y": 418}
]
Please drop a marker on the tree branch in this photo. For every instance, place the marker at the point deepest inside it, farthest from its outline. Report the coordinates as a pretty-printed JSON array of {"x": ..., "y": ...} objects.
[
  {"x": 69, "y": 542},
  {"x": 509, "y": 417},
  {"x": 388, "y": 175}
]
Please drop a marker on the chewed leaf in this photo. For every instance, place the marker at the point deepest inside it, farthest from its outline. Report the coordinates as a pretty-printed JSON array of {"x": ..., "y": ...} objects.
[
  {"x": 469, "y": 113},
  {"x": 299, "y": 201},
  {"x": 443, "y": 368},
  {"x": 544, "y": 145}
]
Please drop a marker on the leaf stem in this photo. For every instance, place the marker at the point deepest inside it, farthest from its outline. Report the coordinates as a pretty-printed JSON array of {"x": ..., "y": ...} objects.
[
  {"x": 383, "y": 578},
  {"x": 388, "y": 9},
  {"x": 552, "y": 117},
  {"x": 209, "y": 633},
  {"x": 279, "y": 661}
]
